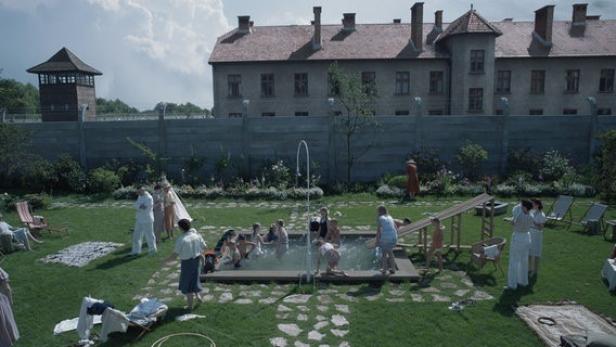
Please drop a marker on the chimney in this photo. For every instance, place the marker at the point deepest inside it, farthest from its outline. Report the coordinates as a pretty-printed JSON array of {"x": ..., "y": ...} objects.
[
  {"x": 397, "y": 20},
  {"x": 417, "y": 26},
  {"x": 579, "y": 14},
  {"x": 348, "y": 21},
  {"x": 316, "y": 37},
  {"x": 438, "y": 19},
  {"x": 544, "y": 17},
  {"x": 243, "y": 24}
]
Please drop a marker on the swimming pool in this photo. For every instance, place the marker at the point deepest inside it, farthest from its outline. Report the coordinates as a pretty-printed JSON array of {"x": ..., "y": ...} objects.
[
  {"x": 354, "y": 255},
  {"x": 359, "y": 262}
]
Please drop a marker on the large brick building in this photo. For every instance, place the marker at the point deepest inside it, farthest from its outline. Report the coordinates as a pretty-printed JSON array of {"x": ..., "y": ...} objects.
[{"x": 464, "y": 67}]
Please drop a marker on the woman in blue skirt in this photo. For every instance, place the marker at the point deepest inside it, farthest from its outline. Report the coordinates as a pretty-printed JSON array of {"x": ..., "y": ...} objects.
[{"x": 189, "y": 248}]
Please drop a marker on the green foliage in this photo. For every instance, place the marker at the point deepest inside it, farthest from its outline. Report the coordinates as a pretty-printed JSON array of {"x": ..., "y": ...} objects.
[
  {"x": 554, "y": 166},
  {"x": 37, "y": 175},
  {"x": 153, "y": 167},
  {"x": 188, "y": 109},
  {"x": 470, "y": 157},
  {"x": 36, "y": 201},
  {"x": 523, "y": 161},
  {"x": 428, "y": 163},
  {"x": 192, "y": 169},
  {"x": 223, "y": 166},
  {"x": 276, "y": 174},
  {"x": 14, "y": 153},
  {"x": 358, "y": 104},
  {"x": 607, "y": 172},
  {"x": 397, "y": 181},
  {"x": 102, "y": 180},
  {"x": 70, "y": 175},
  {"x": 443, "y": 184},
  {"x": 18, "y": 98},
  {"x": 117, "y": 106}
]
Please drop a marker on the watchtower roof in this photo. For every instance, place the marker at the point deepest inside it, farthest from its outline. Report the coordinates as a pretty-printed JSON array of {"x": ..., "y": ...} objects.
[{"x": 64, "y": 61}]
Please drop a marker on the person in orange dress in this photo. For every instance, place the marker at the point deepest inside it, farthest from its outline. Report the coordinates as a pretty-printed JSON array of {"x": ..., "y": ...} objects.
[{"x": 412, "y": 181}]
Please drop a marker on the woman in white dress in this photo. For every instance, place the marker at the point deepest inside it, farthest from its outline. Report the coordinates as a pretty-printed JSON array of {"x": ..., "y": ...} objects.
[
  {"x": 386, "y": 239},
  {"x": 8, "y": 329},
  {"x": 536, "y": 237},
  {"x": 520, "y": 244}
]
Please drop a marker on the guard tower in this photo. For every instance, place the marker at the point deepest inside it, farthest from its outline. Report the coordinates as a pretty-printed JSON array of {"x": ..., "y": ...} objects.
[{"x": 65, "y": 83}]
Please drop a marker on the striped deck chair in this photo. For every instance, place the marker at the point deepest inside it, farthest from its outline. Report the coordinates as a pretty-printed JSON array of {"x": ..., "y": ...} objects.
[
  {"x": 34, "y": 223},
  {"x": 561, "y": 210},
  {"x": 594, "y": 217}
]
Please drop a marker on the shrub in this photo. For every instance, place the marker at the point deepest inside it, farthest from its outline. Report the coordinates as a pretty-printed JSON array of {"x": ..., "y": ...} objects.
[
  {"x": 37, "y": 201},
  {"x": 554, "y": 166},
  {"x": 428, "y": 163},
  {"x": 470, "y": 157},
  {"x": 192, "y": 169},
  {"x": 386, "y": 191},
  {"x": 276, "y": 175},
  {"x": 397, "y": 181},
  {"x": 581, "y": 190},
  {"x": 102, "y": 180},
  {"x": 505, "y": 190},
  {"x": 468, "y": 189},
  {"x": 125, "y": 193},
  {"x": 607, "y": 170},
  {"x": 443, "y": 184},
  {"x": 523, "y": 161},
  {"x": 71, "y": 177},
  {"x": 38, "y": 175}
]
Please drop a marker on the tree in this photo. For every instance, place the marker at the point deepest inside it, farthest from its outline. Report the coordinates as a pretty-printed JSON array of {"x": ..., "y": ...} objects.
[
  {"x": 357, "y": 99},
  {"x": 607, "y": 166},
  {"x": 17, "y": 97},
  {"x": 188, "y": 109},
  {"x": 470, "y": 157},
  {"x": 117, "y": 106}
]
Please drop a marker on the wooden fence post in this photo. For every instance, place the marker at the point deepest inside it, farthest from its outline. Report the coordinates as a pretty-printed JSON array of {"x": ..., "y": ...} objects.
[{"x": 504, "y": 135}]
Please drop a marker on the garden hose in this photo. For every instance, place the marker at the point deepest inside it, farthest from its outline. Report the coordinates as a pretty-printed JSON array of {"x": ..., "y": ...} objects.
[{"x": 162, "y": 340}]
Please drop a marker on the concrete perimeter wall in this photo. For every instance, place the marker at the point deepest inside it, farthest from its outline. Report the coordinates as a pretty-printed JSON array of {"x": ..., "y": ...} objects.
[{"x": 253, "y": 141}]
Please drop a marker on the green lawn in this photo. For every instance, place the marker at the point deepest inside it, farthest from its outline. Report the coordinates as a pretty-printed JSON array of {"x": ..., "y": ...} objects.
[{"x": 45, "y": 294}]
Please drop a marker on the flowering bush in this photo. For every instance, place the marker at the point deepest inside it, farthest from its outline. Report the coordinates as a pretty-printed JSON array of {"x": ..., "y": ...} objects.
[
  {"x": 555, "y": 166},
  {"x": 386, "y": 191},
  {"x": 276, "y": 175},
  {"x": 470, "y": 157}
]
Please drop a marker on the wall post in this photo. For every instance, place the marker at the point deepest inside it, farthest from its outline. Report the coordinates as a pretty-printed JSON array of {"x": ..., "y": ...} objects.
[
  {"x": 592, "y": 129},
  {"x": 245, "y": 152},
  {"x": 83, "y": 158},
  {"x": 331, "y": 143},
  {"x": 418, "y": 107},
  {"x": 504, "y": 135},
  {"x": 162, "y": 139}
]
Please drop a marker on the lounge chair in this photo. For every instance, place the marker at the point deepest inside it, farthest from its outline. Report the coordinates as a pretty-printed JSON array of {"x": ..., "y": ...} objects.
[
  {"x": 143, "y": 317},
  {"x": 561, "y": 210},
  {"x": 593, "y": 218},
  {"x": 489, "y": 250},
  {"x": 34, "y": 223}
]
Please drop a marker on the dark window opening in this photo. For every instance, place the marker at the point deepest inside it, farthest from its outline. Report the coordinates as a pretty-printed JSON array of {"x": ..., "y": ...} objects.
[
  {"x": 606, "y": 82},
  {"x": 267, "y": 85},
  {"x": 301, "y": 84},
  {"x": 435, "y": 112},
  {"x": 301, "y": 114},
  {"x": 402, "y": 113},
  {"x": 403, "y": 83},
  {"x": 573, "y": 81},
  {"x": 604, "y": 111},
  {"x": 234, "y": 82},
  {"x": 570, "y": 111},
  {"x": 475, "y": 99},
  {"x": 503, "y": 81},
  {"x": 536, "y": 112},
  {"x": 368, "y": 82},
  {"x": 537, "y": 81},
  {"x": 477, "y": 60},
  {"x": 268, "y": 114},
  {"x": 436, "y": 82}
]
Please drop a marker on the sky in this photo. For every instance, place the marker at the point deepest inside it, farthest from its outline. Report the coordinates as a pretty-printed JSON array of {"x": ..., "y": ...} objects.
[{"x": 157, "y": 50}]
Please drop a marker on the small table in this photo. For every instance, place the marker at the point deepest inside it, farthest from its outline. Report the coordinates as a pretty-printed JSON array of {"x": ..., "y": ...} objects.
[
  {"x": 610, "y": 224},
  {"x": 609, "y": 273}
]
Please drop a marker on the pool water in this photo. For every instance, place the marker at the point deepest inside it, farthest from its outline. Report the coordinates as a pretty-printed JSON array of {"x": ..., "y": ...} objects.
[{"x": 354, "y": 256}]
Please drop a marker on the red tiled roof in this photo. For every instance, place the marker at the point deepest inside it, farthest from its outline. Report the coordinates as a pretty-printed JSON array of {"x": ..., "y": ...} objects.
[
  {"x": 64, "y": 61},
  {"x": 469, "y": 23},
  {"x": 392, "y": 41}
]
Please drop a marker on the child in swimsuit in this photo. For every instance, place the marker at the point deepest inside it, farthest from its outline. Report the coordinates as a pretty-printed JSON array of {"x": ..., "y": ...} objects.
[
  {"x": 437, "y": 244},
  {"x": 332, "y": 256}
]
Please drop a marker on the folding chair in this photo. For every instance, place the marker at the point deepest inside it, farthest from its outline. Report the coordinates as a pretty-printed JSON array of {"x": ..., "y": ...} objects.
[
  {"x": 594, "y": 217},
  {"x": 143, "y": 317},
  {"x": 561, "y": 210},
  {"x": 481, "y": 257},
  {"x": 34, "y": 223}
]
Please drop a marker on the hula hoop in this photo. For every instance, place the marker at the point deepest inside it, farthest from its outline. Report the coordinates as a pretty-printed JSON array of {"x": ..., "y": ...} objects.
[{"x": 162, "y": 340}]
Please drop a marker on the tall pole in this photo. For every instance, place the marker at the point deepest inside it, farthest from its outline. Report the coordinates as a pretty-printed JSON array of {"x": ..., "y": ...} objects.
[{"x": 300, "y": 145}]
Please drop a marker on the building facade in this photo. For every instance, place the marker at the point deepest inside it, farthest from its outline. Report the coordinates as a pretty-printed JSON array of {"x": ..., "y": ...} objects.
[
  {"x": 65, "y": 84},
  {"x": 459, "y": 68}
]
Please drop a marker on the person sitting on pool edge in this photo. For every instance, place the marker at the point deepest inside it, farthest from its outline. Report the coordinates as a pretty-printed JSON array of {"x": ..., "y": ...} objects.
[
  {"x": 332, "y": 256},
  {"x": 333, "y": 233},
  {"x": 282, "y": 240},
  {"x": 227, "y": 235},
  {"x": 402, "y": 222}
]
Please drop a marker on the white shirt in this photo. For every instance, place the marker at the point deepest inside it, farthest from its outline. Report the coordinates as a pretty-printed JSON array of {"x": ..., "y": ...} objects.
[
  {"x": 5, "y": 228},
  {"x": 516, "y": 210},
  {"x": 326, "y": 247},
  {"x": 522, "y": 222},
  {"x": 189, "y": 245},
  {"x": 144, "y": 215},
  {"x": 538, "y": 218}
]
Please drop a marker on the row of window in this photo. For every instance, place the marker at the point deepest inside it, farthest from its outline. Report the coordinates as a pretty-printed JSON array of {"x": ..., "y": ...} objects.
[
  {"x": 537, "y": 81},
  {"x": 70, "y": 78},
  {"x": 368, "y": 80},
  {"x": 436, "y": 83}
]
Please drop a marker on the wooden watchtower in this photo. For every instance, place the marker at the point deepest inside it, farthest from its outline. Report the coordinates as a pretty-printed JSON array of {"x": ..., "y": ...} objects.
[{"x": 65, "y": 83}]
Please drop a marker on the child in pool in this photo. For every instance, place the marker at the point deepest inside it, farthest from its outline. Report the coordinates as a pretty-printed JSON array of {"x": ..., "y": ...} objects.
[
  {"x": 231, "y": 254},
  {"x": 332, "y": 256},
  {"x": 333, "y": 232},
  {"x": 282, "y": 240},
  {"x": 245, "y": 247},
  {"x": 437, "y": 244}
]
